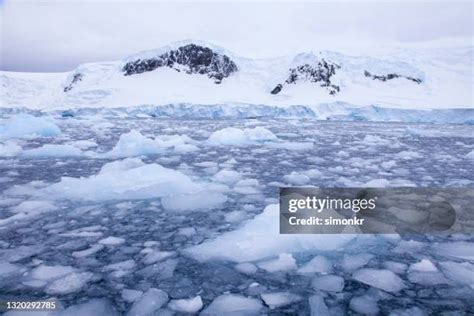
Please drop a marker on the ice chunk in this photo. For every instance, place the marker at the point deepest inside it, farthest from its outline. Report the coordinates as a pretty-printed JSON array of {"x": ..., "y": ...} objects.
[
  {"x": 112, "y": 241},
  {"x": 246, "y": 268},
  {"x": 132, "y": 144},
  {"x": 424, "y": 265},
  {"x": 274, "y": 300},
  {"x": 318, "y": 264},
  {"x": 317, "y": 306},
  {"x": 354, "y": 262},
  {"x": 234, "y": 216},
  {"x": 70, "y": 283},
  {"x": 396, "y": 267},
  {"x": 94, "y": 307},
  {"x": 232, "y": 304},
  {"x": 413, "y": 311},
  {"x": 456, "y": 249},
  {"x": 53, "y": 150},
  {"x": 191, "y": 305},
  {"x": 470, "y": 155},
  {"x": 123, "y": 179},
  {"x": 238, "y": 137},
  {"x": 297, "y": 178},
  {"x": 88, "y": 252},
  {"x": 227, "y": 176},
  {"x": 151, "y": 300},
  {"x": 377, "y": 183},
  {"x": 8, "y": 269},
  {"x": 193, "y": 202},
  {"x": 364, "y": 305},
  {"x": 122, "y": 265},
  {"x": 284, "y": 262},
  {"x": 156, "y": 256},
  {"x": 462, "y": 273},
  {"x": 9, "y": 149},
  {"x": 131, "y": 295},
  {"x": 260, "y": 238},
  {"x": 25, "y": 125},
  {"x": 329, "y": 283},
  {"x": 382, "y": 279},
  {"x": 48, "y": 273}
]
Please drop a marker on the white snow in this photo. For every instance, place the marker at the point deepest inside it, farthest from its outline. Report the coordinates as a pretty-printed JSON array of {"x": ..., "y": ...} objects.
[
  {"x": 191, "y": 305},
  {"x": 329, "y": 283},
  {"x": 148, "y": 303},
  {"x": 233, "y": 304},
  {"x": 382, "y": 279},
  {"x": 278, "y": 299},
  {"x": 284, "y": 262},
  {"x": 260, "y": 238},
  {"x": 26, "y": 125},
  {"x": 240, "y": 137}
]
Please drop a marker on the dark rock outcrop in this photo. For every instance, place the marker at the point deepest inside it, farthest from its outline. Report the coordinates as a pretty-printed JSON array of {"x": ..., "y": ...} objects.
[
  {"x": 75, "y": 79},
  {"x": 193, "y": 59},
  {"x": 320, "y": 73},
  {"x": 390, "y": 77}
]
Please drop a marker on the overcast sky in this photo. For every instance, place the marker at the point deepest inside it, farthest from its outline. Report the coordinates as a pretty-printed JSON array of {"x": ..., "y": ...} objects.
[{"x": 59, "y": 35}]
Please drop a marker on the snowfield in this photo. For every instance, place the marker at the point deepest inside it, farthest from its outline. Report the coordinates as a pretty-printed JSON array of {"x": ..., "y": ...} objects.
[
  {"x": 418, "y": 78},
  {"x": 128, "y": 212}
]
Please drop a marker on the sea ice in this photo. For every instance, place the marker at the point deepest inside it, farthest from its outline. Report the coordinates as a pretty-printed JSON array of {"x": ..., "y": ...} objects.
[
  {"x": 246, "y": 268},
  {"x": 191, "y": 305},
  {"x": 70, "y": 283},
  {"x": 318, "y": 264},
  {"x": 239, "y": 137},
  {"x": 284, "y": 262},
  {"x": 233, "y": 305},
  {"x": 112, "y": 241},
  {"x": 228, "y": 176},
  {"x": 260, "y": 238},
  {"x": 382, "y": 279},
  {"x": 278, "y": 299},
  {"x": 53, "y": 150},
  {"x": 9, "y": 149},
  {"x": 329, "y": 283},
  {"x": 317, "y": 306},
  {"x": 26, "y": 125},
  {"x": 148, "y": 303},
  {"x": 365, "y": 305}
]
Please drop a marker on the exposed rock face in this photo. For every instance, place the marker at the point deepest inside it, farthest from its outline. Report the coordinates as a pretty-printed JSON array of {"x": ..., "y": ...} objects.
[
  {"x": 75, "y": 79},
  {"x": 390, "y": 77},
  {"x": 193, "y": 59},
  {"x": 320, "y": 73}
]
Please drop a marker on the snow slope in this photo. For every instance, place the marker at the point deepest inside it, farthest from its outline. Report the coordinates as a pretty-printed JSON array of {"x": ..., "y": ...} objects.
[{"x": 445, "y": 74}]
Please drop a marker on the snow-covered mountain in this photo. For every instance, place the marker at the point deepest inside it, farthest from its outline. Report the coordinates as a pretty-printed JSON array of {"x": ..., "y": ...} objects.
[{"x": 195, "y": 72}]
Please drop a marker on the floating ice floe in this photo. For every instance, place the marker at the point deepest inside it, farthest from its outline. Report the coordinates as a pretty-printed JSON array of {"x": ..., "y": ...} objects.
[
  {"x": 9, "y": 149},
  {"x": 191, "y": 305},
  {"x": 379, "y": 278},
  {"x": 328, "y": 283},
  {"x": 232, "y": 304},
  {"x": 134, "y": 143},
  {"x": 53, "y": 150},
  {"x": 26, "y": 126},
  {"x": 148, "y": 303},
  {"x": 241, "y": 137},
  {"x": 278, "y": 299},
  {"x": 260, "y": 238},
  {"x": 318, "y": 264},
  {"x": 120, "y": 180}
]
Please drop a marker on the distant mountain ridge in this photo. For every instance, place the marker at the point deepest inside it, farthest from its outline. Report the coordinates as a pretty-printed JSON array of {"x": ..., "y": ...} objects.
[{"x": 199, "y": 72}]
